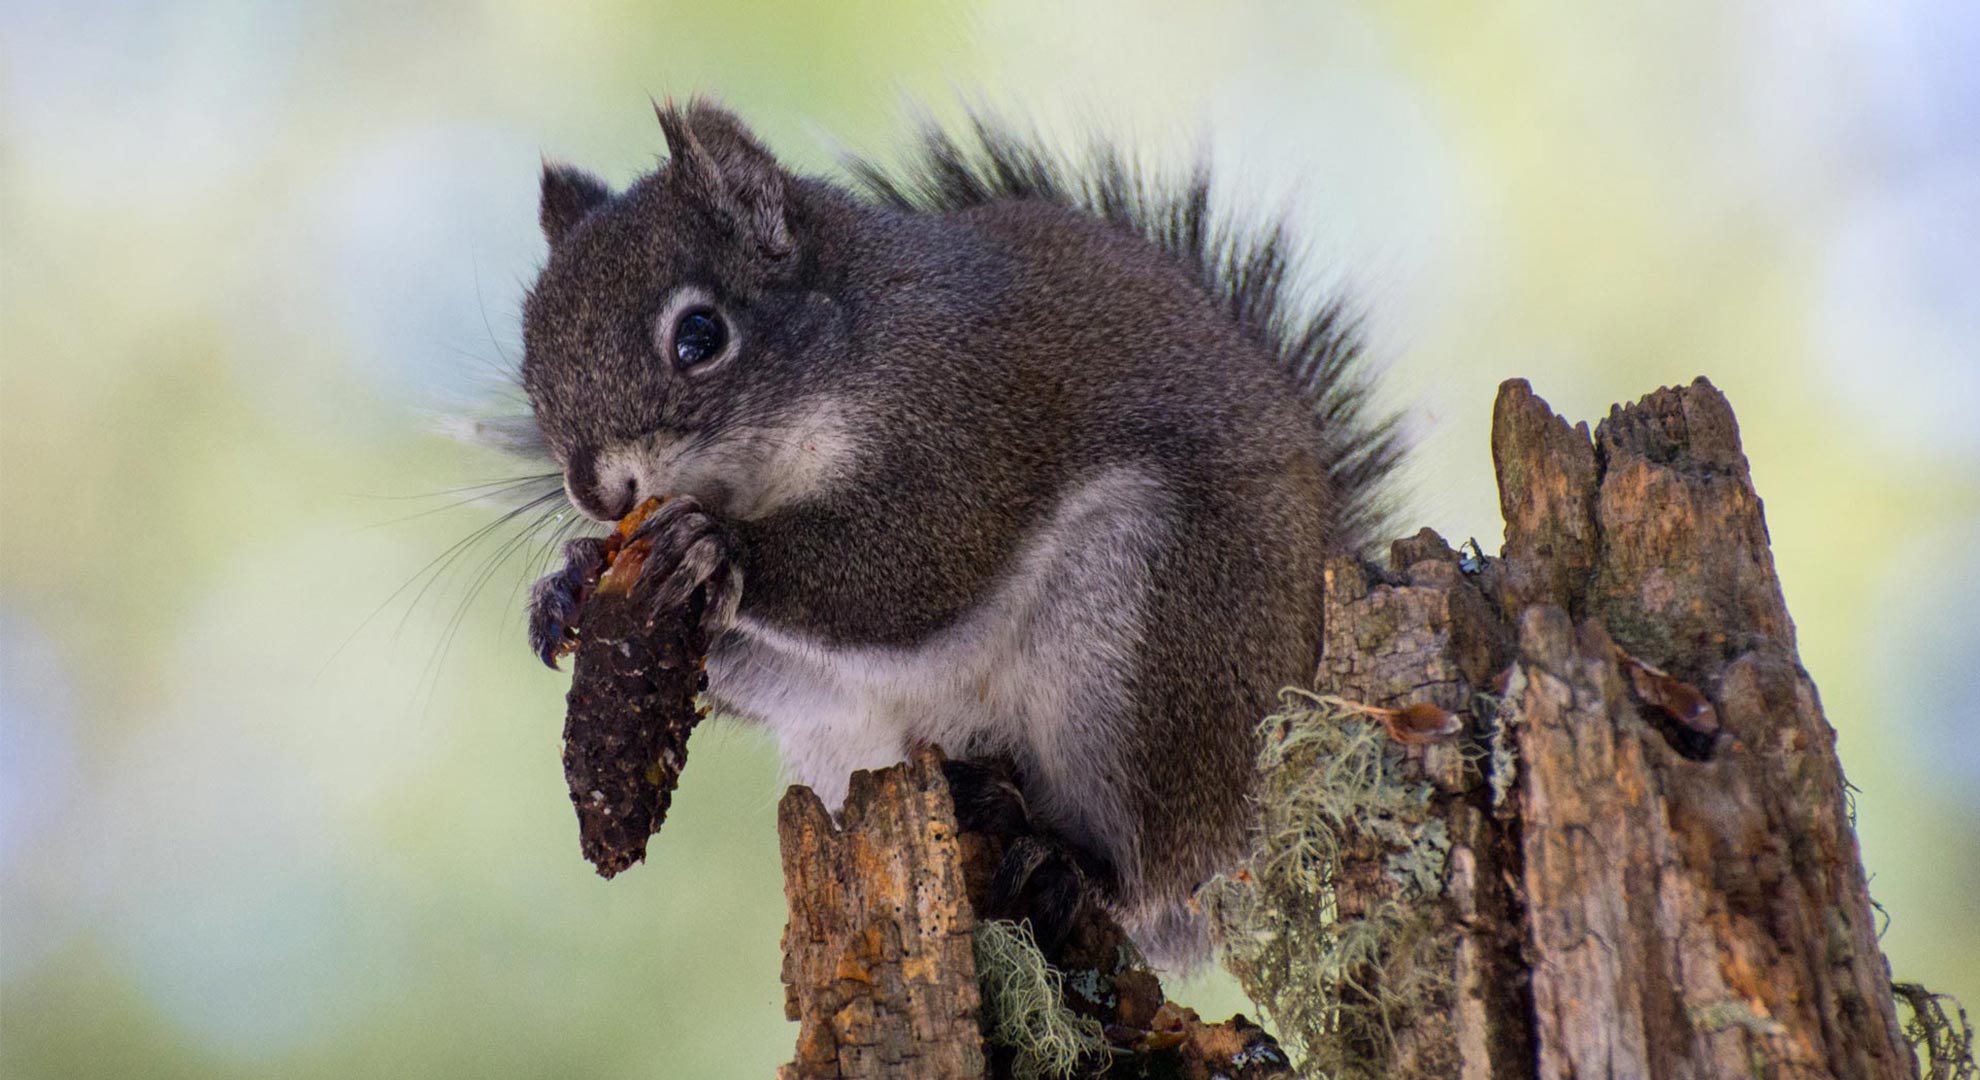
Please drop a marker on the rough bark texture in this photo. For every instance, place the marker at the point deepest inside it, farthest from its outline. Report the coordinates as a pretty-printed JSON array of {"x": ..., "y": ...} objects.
[
  {"x": 1684, "y": 917},
  {"x": 1643, "y": 865},
  {"x": 1652, "y": 870},
  {"x": 880, "y": 970},
  {"x": 1430, "y": 632}
]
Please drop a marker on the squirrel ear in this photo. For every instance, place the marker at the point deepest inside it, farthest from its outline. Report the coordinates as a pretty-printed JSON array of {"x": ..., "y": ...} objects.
[
  {"x": 569, "y": 193},
  {"x": 719, "y": 163}
]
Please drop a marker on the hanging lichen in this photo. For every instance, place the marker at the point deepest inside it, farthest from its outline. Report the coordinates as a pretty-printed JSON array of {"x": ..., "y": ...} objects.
[
  {"x": 1024, "y": 1006},
  {"x": 1338, "y": 985}
]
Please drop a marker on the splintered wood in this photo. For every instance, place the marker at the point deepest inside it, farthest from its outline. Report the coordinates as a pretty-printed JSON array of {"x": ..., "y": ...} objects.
[
  {"x": 1651, "y": 868},
  {"x": 880, "y": 967},
  {"x": 631, "y": 706},
  {"x": 1695, "y": 900}
]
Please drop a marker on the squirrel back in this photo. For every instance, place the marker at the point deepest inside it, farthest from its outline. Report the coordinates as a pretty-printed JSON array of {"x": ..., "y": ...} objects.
[{"x": 1247, "y": 268}]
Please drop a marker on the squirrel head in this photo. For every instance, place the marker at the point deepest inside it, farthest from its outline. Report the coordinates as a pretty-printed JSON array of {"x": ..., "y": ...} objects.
[{"x": 674, "y": 341}]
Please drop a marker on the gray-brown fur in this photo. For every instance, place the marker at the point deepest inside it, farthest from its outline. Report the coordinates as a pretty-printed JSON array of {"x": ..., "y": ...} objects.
[{"x": 1020, "y": 460}]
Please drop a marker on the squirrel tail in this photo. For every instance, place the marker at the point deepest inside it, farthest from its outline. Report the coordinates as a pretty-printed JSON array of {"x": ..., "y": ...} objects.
[{"x": 1248, "y": 267}]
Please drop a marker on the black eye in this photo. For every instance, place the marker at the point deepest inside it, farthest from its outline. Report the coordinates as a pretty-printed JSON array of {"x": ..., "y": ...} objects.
[{"x": 699, "y": 336}]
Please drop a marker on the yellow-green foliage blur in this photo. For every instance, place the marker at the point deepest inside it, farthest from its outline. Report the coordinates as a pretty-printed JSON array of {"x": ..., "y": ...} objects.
[{"x": 277, "y": 801}]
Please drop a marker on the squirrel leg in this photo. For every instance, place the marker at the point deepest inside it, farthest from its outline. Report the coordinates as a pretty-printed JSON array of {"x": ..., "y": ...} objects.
[
  {"x": 986, "y": 796},
  {"x": 1044, "y": 878}
]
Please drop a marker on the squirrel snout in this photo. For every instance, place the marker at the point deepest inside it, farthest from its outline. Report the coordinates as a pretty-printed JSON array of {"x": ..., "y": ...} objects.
[{"x": 606, "y": 493}]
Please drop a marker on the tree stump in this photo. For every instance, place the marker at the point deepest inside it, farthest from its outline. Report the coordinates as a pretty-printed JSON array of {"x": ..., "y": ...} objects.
[
  {"x": 880, "y": 958},
  {"x": 1693, "y": 899},
  {"x": 1635, "y": 859},
  {"x": 878, "y": 967},
  {"x": 1643, "y": 863}
]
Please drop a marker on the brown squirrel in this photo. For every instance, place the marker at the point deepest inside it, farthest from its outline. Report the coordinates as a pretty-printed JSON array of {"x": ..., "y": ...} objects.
[{"x": 1033, "y": 460}]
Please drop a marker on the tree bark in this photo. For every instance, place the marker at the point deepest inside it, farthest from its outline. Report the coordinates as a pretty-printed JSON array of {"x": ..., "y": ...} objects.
[
  {"x": 880, "y": 967},
  {"x": 1646, "y": 866},
  {"x": 1652, "y": 870}
]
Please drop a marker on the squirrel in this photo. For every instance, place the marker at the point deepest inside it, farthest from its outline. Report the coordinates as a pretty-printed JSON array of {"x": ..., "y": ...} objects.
[{"x": 1031, "y": 459}]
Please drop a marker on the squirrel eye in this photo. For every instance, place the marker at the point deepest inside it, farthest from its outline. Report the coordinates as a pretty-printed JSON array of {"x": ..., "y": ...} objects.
[{"x": 700, "y": 335}]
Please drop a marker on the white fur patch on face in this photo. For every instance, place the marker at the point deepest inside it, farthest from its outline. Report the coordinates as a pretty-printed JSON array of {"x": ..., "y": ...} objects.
[{"x": 743, "y": 472}]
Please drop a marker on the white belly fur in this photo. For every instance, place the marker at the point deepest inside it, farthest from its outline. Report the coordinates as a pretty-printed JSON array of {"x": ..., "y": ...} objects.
[{"x": 1038, "y": 670}]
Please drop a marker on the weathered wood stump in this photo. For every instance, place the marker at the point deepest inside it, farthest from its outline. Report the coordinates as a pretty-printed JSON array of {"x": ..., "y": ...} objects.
[
  {"x": 1694, "y": 901},
  {"x": 878, "y": 966},
  {"x": 1647, "y": 865},
  {"x": 1635, "y": 858},
  {"x": 880, "y": 958}
]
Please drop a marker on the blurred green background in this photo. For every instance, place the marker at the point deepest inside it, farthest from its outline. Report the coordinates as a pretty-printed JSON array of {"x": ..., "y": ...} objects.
[{"x": 264, "y": 812}]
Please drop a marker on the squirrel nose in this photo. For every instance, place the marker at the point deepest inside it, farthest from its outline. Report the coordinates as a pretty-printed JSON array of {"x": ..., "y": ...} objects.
[{"x": 608, "y": 496}]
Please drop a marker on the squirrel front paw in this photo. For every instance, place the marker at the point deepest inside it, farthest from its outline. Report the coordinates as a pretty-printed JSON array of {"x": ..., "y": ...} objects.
[
  {"x": 556, "y": 598},
  {"x": 691, "y": 549},
  {"x": 687, "y": 549}
]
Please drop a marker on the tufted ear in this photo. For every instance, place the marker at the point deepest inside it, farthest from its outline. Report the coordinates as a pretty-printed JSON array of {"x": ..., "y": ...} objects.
[
  {"x": 716, "y": 161},
  {"x": 569, "y": 193}
]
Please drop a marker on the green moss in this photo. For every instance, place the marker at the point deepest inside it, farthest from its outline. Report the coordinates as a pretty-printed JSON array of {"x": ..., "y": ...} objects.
[
  {"x": 1338, "y": 987},
  {"x": 1630, "y": 626},
  {"x": 1733, "y": 1013},
  {"x": 1024, "y": 1006}
]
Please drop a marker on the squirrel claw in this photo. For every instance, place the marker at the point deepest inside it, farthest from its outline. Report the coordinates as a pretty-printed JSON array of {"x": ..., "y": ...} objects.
[
  {"x": 1041, "y": 881},
  {"x": 556, "y": 598},
  {"x": 1043, "y": 878},
  {"x": 691, "y": 550}
]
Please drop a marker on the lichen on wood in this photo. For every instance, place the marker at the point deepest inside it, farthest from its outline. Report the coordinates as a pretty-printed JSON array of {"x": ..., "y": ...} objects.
[
  {"x": 1024, "y": 1007},
  {"x": 1631, "y": 857},
  {"x": 889, "y": 973},
  {"x": 1649, "y": 866},
  {"x": 1339, "y": 963},
  {"x": 1939, "y": 1033}
]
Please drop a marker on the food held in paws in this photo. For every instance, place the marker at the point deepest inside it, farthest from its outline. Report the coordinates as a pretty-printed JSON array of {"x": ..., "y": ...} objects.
[{"x": 631, "y": 705}]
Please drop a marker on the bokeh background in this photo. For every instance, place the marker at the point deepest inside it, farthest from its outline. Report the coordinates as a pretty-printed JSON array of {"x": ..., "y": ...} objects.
[{"x": 279, "y": 795}]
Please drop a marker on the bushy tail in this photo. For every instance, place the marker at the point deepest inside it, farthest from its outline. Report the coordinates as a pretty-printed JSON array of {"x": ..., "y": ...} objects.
[{"x": 1247, "y": 266}]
